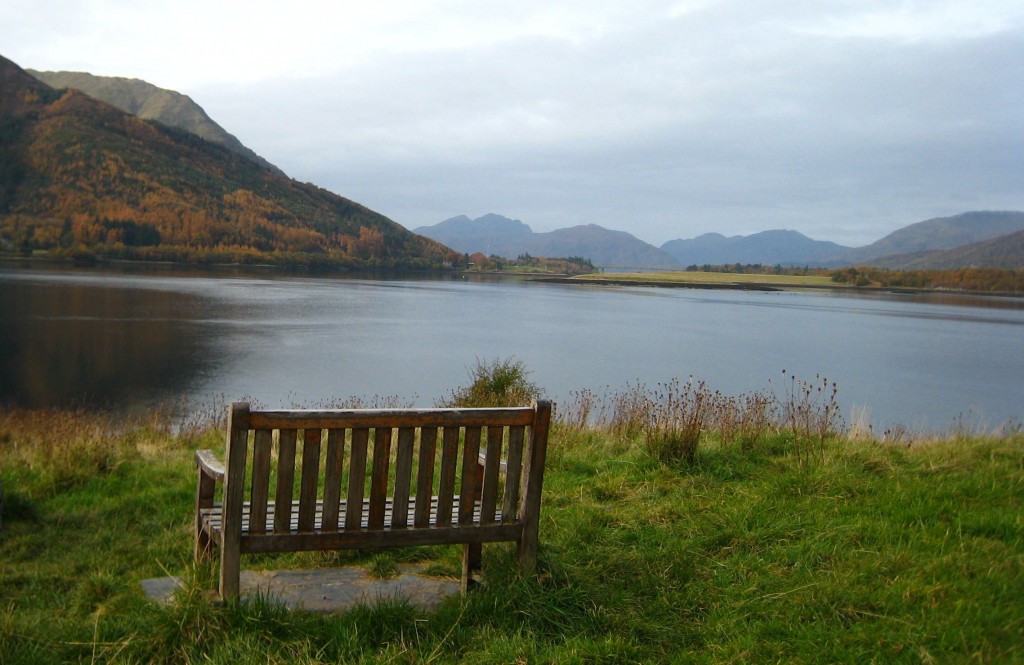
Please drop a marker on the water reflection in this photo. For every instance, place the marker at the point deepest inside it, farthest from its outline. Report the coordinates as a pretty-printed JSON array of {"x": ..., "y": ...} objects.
[
  {"x": 122, "y": 339},
  {"x": 66, "y": 343}
]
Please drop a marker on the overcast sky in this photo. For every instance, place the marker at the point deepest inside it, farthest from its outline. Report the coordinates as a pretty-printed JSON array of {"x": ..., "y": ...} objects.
[{"x": 843, "y": 120}]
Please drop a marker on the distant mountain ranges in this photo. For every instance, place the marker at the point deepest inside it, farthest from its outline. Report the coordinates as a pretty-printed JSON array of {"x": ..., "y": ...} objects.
[
  {"x": 123, "y": 168},
  {"x": 972, "y": 239},
  {"x": 80, "y": 176},
  {"x": 496, "y": 235}
]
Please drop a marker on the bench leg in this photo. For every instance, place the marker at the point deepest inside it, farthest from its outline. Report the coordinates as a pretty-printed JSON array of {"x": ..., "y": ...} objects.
[
  {"x": 527, "y": 554},
  {"x": 230, "y": 560},
  {"x": 471, "y": 556},
  {"x": 204, "y": 544}
]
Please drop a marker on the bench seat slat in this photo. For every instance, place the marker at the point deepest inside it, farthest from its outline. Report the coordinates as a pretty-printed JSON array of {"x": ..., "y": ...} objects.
[
  {"x": 386, "y": 537},
  {"x": 212, "y": 518}
]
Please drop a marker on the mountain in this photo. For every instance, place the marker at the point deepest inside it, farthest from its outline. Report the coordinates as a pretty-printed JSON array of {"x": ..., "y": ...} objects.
[
  {"x": 604, "y": 247},
  {"x": 767, "y": 248},
  {"x": 941, "y": 233},
  {"x": 500, "y": 236},
  {"x": 1005, "y": 252},
  {"x": 479, "y": 235},
  {"x": 77, "y": 174},
  {"x": 149, "y": 102}
]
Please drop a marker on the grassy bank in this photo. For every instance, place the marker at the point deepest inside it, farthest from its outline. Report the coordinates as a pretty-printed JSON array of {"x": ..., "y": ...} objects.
[
  {"x": 779, "y": 546},
  {"x": 695, "y": 279},
  {"x": 978, "y": 281}
]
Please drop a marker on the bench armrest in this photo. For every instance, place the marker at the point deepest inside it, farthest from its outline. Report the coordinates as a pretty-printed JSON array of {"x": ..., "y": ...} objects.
[
  {"x": 209, "y": 465},
  {"x": 502, "y": 464}
]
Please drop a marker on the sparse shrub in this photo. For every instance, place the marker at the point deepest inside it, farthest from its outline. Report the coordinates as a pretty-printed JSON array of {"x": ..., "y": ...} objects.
[
  {"x": 757, "y": 417},
  {"x": 678, "y": 415},
  {"x": 811, "y": 413},
  {"x": 578, "y": 409},
  {"x": 744, "y": 420},
  {"x": 495, "y": 383},
  {"x": 898, "y": 435},
  {"x": 630, "y": 412}
]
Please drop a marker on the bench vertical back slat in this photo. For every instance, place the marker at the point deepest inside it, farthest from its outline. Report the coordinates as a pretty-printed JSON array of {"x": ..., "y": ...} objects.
[
  {"x": 335, "y": 465},
  {"x": 470, "y": 488},
  {"x": 425, "y": 476},
  {"x": 285, "y": 480},
  {"x": 261, "y": 451},
  {"x": 513, "y": 474},
  {"x": 310, "y": 481},
  {"x": 356, "y": 479},
  {"x": 379, "y": 479},
  {"x": 492, "y": 465},
  {"x": 403, "y": 477},
  {"x": 446, "y": 489}
]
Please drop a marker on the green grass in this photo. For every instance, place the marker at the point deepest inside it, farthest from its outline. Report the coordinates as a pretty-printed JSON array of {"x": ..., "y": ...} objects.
[{"x": 868, "y": 552}]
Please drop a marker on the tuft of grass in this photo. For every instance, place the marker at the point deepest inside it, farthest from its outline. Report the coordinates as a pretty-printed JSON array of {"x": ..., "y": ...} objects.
[{"x": 383, "y": 566}]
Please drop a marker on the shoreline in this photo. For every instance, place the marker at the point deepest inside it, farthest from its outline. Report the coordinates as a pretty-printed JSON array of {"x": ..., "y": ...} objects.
[
  {"x": 776, "y": 287},
  {"x": 547, "y": 278}
]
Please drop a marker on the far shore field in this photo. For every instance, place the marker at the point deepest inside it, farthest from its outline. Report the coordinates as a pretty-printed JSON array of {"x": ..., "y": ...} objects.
[
  {"x": 707, "y": 280},
  {"x": 744, "y": 282}
]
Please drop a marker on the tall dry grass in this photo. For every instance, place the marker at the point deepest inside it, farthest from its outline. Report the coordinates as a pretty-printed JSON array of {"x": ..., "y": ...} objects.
[{"x": 673, "y": 419}]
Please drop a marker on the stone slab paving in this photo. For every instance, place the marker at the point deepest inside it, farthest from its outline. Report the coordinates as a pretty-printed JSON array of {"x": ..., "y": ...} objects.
[{"x": 328, "y": 589}]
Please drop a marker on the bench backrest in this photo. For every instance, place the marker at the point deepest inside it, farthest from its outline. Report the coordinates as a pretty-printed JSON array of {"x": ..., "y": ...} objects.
[{"x": 363, "y": 469}]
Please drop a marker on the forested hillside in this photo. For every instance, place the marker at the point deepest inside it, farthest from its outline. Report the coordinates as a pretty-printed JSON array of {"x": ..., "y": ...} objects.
[{"x": 82, "y": 177}]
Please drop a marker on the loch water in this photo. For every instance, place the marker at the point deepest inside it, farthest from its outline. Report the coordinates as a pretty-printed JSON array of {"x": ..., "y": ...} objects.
[{"x": 136, "y": 338}]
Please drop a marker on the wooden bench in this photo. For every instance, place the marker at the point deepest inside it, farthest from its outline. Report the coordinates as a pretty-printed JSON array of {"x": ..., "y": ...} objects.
[{"x": 298, "y": 480}]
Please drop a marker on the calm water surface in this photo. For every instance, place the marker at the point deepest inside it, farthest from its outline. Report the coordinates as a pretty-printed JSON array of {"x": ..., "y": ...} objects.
[{"x": 70, "y": 337}]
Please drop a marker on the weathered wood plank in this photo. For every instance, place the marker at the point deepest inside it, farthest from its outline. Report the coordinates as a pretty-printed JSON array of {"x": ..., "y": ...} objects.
[
  {"x": 285, "y": 478},
  {"x": 371, "y": 539},
  {"x": 449, "y": 462},
  {"x": 379, "y": 479},
  {"x": 259, "y": 493},
  {"x": 492, "y": 464},
  {"x": 372, "y": 418},
  {"x": 472, "y": 555},
  {"x": 425, "y": 475},
  {"x": 356, "y": 478},
  {"x": 403, "y": 477},
  {"x": 212, "y": 517},
  {"x": 234, "y": 493},
  {"x": 310, "y": 481},
  {"x": 206, "y": 488},
  {"x": 334, "y": 463},
  {"x": 513, "y": 473},
  {"x": 470, "y": 488},
  {"x": 208, "y": 463},
  {"x": 533, "y": 474}
]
